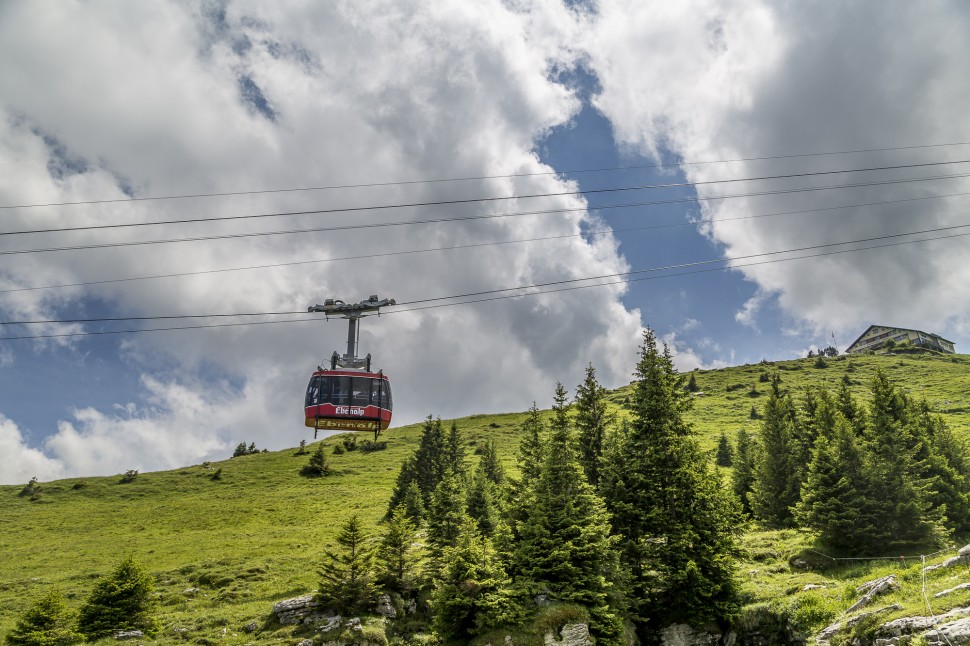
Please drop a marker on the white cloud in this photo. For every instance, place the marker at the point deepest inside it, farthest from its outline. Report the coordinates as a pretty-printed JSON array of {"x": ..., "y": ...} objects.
[
  {"x": 21, "y": 462},
  {"x": 171, "y": 98},
  {"x": 727, "y": 80}
]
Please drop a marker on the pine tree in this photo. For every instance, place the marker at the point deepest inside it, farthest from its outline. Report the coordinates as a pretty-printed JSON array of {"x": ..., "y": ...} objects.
[
  {"x": 725, "y": 455},
  {"x": 446, "y": 518},
  {"x": 122, "y": 600},
  {"x": 489, "y": 464},
  {"x": 454, "y": 451},
  {"x": 836, "y": 497},
  {"x": 592, "y": 420},
  {"x": 472, "y": 595},
  {"x": 482, "y": 502},
  {"x": 395, "y": 556},
  {"x": 743, "y": 476},
  {"x": 898, "y": 468},
  {"x": 565, "y": 547},
  {"x": 678, "y": 529},
  {"x": 775, "y": 489},
  {"x": 531, "y": 447},
  {"x": 346, "y": 577},
  {"x": 48, "y": 622}
]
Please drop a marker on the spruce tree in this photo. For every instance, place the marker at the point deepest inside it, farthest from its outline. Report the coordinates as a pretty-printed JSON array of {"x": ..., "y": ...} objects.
[
  {"x": 743, "y": 476},
  {"x": 592, "y": 420},
  {"x": 407, "y": 478},
  {"x": 901, "y": 485},
  {"x": 347, "y": 583},
  {"x": 48, "y": 622},
  {"x": 948, "y": 464},
  {"x": 489, "y": 464},
  {"x": 775, "y": 489},
  {"x": 531, "y": 447},
  {"x": 446, "y": 518},
  {"x": 565, "y": 547},
  {"x": 483, "y": 502},
  {"x": 454, "y": 457},
  {"x": 396, "y": 560},
  {"x": 836, "y": 497},
  {"x": 122, "y": 600},
  {"x": 724, "y": 457},
  {"x": 472, "y": 595},
  {"x": 678, "y": 529}
]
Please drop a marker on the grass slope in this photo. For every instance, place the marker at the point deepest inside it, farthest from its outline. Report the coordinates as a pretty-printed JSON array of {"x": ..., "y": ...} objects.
[{"x": 223, "y": 551}]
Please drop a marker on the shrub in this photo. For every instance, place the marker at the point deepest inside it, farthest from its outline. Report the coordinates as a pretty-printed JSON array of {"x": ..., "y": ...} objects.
[
  {"x": 30, "y": 489},
  {"x": 317, "y": 466},
  {"x": 122, "y": 600},
  {"x": 754, "y": 413},
  {"x": 372, "y": 445},
  {"x": 764, "y": 377},
  {"x": 349, "y": 442},
  {"x": 129, "y": 476},
  {"x": 302, "y": 450},
  {"x": 49, "y": 622},
  {"x": 820, "y": 362},
  {"x": 217, "y": 475},
  {"x": 338, "y": 449}
]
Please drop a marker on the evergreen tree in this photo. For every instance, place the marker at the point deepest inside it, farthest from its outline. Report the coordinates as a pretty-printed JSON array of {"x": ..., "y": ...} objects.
[
  {"x": 743, "y": 476},
  {"x": 395, "y": 555},
  {"x": 592, "y": 420},
  {"x": 531, "y": 447},
  {"x": 413, "y": 503},
  {"x": 122, "y": 600},
  {"x": 678, "y": 529},
  {"x": 454, "y": 451},
  {"x": 472, "y": 595},
  {"x": 948, "y": 464},
  {"x": 407, "y": 479},
  {"x": 775, "y": 489},
  {"x": 482, "y": 502},
  {"x": 317, "y": 465},
  {"x": 725, "y": 455},
  {"x": 901, "y": 484},
  {"x": 429, "y": 459},
  {"x": 48, "y": 622},
  {"x": 836, "y": 497},
  {"x": 446, "y": 518},
  {"x": 346, "y": 577},
  {"x": 565, "y": 547},
  {"x": 489, "y": 464}
]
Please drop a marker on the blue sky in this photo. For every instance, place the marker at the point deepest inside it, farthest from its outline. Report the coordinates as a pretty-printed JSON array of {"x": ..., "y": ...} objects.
[{"x": 101, "y": 104}]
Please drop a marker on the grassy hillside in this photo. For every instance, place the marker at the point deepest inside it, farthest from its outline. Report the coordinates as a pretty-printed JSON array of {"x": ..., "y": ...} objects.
[{"x": 253, "y": 537}]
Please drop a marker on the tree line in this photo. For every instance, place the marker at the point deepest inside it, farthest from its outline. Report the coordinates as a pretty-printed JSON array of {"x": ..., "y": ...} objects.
[
  {"x": 865, "y": 476},
  {"x": 626, "y": 524}
]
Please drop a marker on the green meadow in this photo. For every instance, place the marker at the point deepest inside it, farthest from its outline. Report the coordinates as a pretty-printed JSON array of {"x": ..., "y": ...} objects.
[{"x": 224, "y": 550}]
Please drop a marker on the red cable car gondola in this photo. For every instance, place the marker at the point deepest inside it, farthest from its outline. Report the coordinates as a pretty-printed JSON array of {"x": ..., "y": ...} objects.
[{"x": 348, "y": 396}]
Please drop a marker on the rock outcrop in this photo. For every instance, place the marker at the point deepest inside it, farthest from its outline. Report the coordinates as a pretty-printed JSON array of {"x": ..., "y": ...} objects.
[
  {"x": 572, "y": 635},
  {"x": 872, "y": 589}
]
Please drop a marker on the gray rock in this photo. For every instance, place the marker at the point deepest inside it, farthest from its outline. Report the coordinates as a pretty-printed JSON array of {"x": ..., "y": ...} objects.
[
  {"x": 684, "y": 635},
  {"x": 572, "y": 635},
  {"x": 298, "y": 610},
  {"x": 305, "y": 642},
  {"x": 251, "y": 627},
  {"x": 950, "y": 562},
  {"x": 830, "y": 631},
  {"x": 962, "y": 586},
  {"x": 812, "y": 586},
  {"x": 952, "y": 633},
  {"x": 385, "y": 608},
  {"x": 128, "y": 634},
  {"x": 190, "y": 592},
  {"x": 912, "y": 625},
  {"x": 964, "y": 551},
  {"x": 872, "y": 589}
]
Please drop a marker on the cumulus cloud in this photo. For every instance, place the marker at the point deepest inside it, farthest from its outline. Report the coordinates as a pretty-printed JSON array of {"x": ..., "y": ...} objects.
[
  {"x": 22, "y": 462},
  {"x": 732, "y": 80},
  {"x": 109, "y": 101}
]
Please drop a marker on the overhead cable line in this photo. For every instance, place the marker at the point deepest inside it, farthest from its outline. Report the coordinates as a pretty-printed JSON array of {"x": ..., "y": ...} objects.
[
  {"x": 231, "y": 236},
  {"x": 473, "y": 245},
  {"x": 499, "y": 198},
  {"x": 508, "y": 289},
  {"x": 488, "y": 299},
  {"x": 475, "y": 178}
]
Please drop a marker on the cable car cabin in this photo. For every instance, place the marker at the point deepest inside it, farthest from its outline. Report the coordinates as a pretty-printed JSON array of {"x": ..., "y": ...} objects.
[{"x": 348, "y": 400}]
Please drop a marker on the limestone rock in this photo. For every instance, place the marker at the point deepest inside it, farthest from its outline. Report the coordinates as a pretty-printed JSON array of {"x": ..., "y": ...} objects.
[
  {"x": 303, "y": 609},
  {"x": 962, "y": 586},
  {"x": 305, "y": 642},
  {"x": 128, "y": 634},
  {"x": 251, "y": 627},
  {"x": 964, "y": 551},
  {"x": 812, "y": 586},
  {"x": 872, "y": 589},
  {"x": 385, "y": 608},
  {"x": 913, "y": 625},
  {"x": 684, "y": 635},
  {"x": 960, "y": 559},
  {"x": 190, "y": 592},
  {"x": 952, "y": 633},
  {"x": 830, "y": 631},
  {"x": 572, "y": 635}
]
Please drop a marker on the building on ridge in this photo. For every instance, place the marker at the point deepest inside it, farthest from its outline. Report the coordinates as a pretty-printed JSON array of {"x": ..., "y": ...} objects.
[{"x": 876, "y": 337}]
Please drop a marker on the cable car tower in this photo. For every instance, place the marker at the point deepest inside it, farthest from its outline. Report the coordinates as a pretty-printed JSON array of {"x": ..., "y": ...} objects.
[{"x": 348, "y": 396}]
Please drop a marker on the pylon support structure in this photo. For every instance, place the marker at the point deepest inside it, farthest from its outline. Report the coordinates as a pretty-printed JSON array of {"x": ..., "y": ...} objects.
[{"x": 353, "y": 312}]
